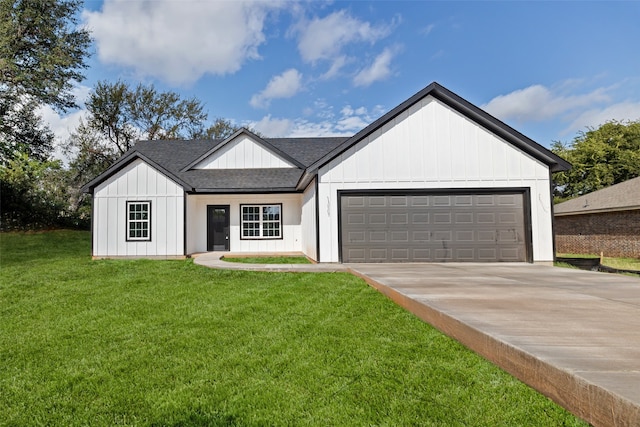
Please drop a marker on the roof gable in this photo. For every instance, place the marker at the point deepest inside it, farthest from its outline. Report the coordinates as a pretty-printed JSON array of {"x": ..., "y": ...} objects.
[
  {"x": 477, "y": 115},
  {"x": 618, "y": 197},
  {"x": 244, "y": 150},
  {"x": 126, "y": 160}
]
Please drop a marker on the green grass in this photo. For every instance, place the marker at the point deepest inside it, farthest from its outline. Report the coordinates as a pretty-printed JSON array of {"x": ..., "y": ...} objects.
[
  {"x": 269, "y": 260},
  {"x": 170, "y": 343},
  {"x": 578, "y": 256},
  {"x": 619, "y": 263},
  {"x": 622, "y": 263}
]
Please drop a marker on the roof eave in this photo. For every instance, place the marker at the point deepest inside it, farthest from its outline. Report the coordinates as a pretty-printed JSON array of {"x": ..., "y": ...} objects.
[
  {"x": 597, "y": 211},
  {"x": 244, "y": 190}
]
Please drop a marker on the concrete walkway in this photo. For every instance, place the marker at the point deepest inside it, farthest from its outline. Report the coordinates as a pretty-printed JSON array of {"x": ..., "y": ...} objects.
[
  {"x": 573, "y": 335},
  {"x": 213, "y": 260}
]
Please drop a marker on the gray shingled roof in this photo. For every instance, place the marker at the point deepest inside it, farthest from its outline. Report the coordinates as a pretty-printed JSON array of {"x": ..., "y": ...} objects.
[
  {"x": 619, "y": 197},
  {"x": 242, "y": 180},
  {"x": 173, "y": 156}
]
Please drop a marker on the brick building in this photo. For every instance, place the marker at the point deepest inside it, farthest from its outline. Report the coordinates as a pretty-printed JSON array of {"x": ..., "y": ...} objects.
[{"x": 606, "y": 220}]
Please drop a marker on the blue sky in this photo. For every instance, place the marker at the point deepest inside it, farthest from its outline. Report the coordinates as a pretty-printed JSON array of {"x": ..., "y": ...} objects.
[{"x": 319, "y": 68}]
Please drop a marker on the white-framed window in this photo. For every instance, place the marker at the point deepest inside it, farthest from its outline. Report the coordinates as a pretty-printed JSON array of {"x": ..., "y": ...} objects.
[
  {"x": 261, "y": 221},
  {"x": 139, "y": 221}
]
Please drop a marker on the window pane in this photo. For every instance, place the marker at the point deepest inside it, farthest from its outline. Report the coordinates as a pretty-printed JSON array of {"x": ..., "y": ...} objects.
[{"x": 138, "y": 220}]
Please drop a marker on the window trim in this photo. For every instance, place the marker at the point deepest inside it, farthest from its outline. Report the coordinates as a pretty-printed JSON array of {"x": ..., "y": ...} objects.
[
  {"x": 128, "y": 221},
  {"x": 261, "y": 222}
]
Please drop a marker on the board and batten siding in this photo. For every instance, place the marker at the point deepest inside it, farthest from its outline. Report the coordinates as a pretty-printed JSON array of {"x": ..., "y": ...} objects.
[
  {"x": 432, "y": 146},
  {"x": 309, "y": 221},
  {"x": 138, "y": 182},
  {"x": 291, "y": 240},
  {"x": 243, "y": 153}
]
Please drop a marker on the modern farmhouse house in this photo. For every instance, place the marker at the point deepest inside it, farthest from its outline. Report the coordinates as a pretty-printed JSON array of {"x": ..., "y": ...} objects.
[{"x": 435, "y": 179}]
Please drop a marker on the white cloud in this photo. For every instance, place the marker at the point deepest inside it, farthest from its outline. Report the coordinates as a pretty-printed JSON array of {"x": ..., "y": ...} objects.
[
  {"x": 538, "y": 103},
  {"x": 284, "y": 85},
  {"x": 380, "y": 69},
  {"x": 62, "y": 126},
  {"x": 272, "y": 128},
  {"x": 327, "y": 39},
  {"x": 595, "y": 117},
  {"x": 428, "y": 29},
  {"x": 179, "y": 44},
  {"x": 324, "y": 38},
  {"x": 337, "y": 65},
  {"x": 350, "y": 121}
]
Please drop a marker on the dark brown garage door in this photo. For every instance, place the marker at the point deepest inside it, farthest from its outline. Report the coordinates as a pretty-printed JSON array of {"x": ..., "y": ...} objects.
[{"x": 482, "y": 227}]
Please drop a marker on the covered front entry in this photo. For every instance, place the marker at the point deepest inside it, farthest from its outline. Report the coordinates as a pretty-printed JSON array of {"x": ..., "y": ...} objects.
[
  {"x": 218, "y": 220},
  {"x": 434, "y": 226}
]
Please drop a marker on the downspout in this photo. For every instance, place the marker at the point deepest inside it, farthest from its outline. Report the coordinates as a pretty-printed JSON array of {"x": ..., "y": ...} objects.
[
  {"x": 553, "y": 216},
  {"x": 93, "y": 215},
  {"x": 184, "y": 223},
  {"x": 317, "y": 187}
]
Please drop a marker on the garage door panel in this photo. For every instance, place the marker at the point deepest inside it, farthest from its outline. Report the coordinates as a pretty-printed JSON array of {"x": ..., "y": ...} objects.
[
  {"x": 420, "y": 236},
  {"x": 433, "y": 228},
  {"x": 354, "y": 237},
  {"x": 419, "y": 201},
  {"x": 398, "y": 201},
  {"x": 401, "y": 218},
  {"x": 401, "y": 236},
  {"x": 377, "y": 201},
  {"x": 378, "y": 236},
  {"x": 421, "y": 255},
  {"x": 465, "y": 236},
  {"x": 355, "y": 202},
  {"x": 420, "y": 218},
  {"x": 465, "y": 254}
]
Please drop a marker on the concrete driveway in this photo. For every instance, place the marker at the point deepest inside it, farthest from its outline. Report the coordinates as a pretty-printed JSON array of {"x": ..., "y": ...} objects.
[{"x": 573, "y": 335}]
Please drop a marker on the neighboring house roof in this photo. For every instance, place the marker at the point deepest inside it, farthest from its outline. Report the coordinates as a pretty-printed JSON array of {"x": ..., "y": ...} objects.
[
  {"x": 619, "y": 197},
  {"x": 176, "y": 159}
]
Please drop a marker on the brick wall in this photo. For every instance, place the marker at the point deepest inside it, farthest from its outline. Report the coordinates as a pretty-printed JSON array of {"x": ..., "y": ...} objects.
[{"x": 615, "y": 233}]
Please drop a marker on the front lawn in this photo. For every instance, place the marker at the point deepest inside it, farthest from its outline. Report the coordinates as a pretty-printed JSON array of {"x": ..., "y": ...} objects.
[{"x": 170, "y": 343}]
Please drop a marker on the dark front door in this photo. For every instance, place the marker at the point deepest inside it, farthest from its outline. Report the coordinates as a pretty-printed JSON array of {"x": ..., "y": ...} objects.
[{"x": 217, "y": 228}]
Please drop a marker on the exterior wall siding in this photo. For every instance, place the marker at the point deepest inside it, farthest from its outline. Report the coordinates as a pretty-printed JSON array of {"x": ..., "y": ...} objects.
[
  {"x": 291, "y": 240},
  {"x": 243, "y": 153},
  {"x": 308, "y": 222},
  {"x": 138, "y": 182},
  {"x": 431, "y": 146},
  {"x": 615, "y": 234}
]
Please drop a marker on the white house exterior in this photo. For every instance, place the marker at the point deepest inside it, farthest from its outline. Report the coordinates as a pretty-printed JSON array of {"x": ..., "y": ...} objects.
[{"x": 435, "y": 179}]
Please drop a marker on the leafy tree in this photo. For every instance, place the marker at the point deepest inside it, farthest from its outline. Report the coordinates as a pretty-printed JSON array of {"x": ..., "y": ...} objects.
[
  {"x": 22, "y": 131},
  {"x": 163, "y": 115},
  {"x": 42, "y": 52},
  {"x": 42, "y": 55},
  {"x": 220, "y": 129},
  {"x": 601, "y": 157},
  {"x": 33, "y": 194},
  {"x": 121, "y": 115}
]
